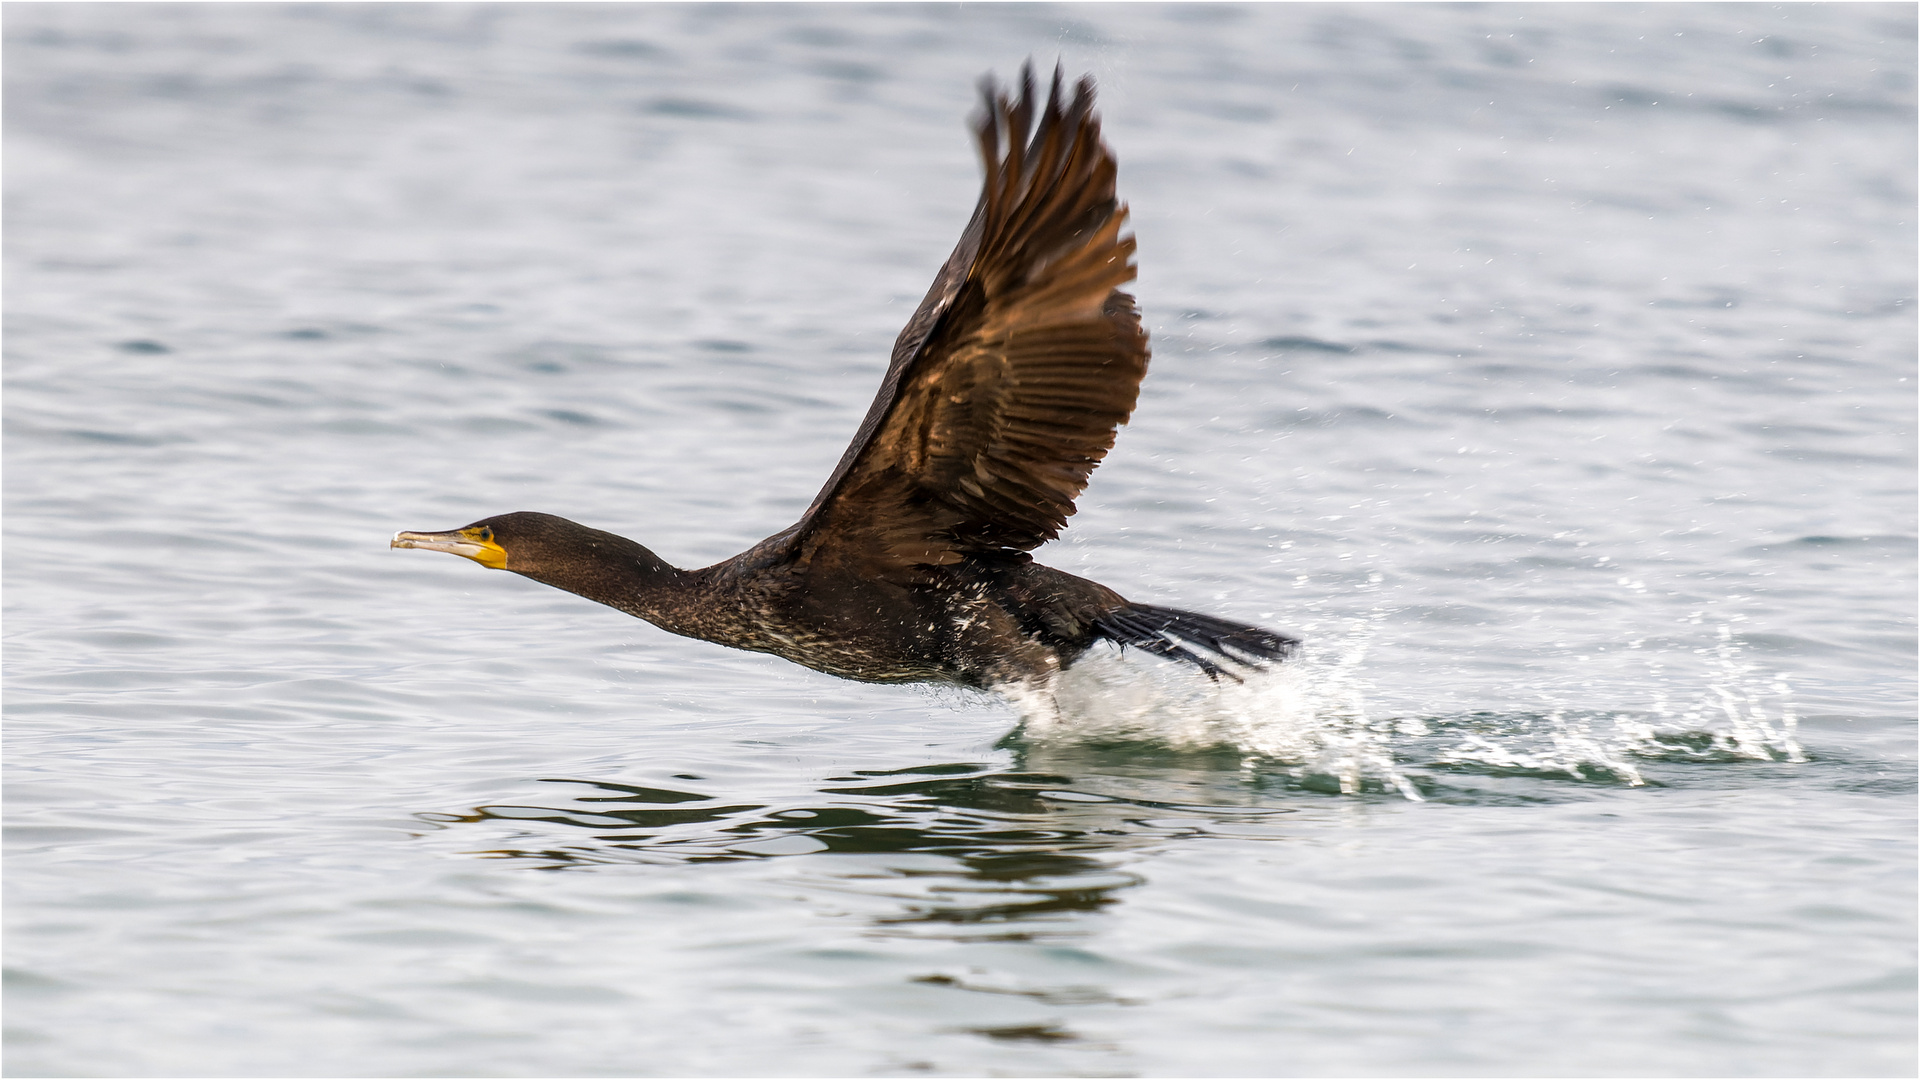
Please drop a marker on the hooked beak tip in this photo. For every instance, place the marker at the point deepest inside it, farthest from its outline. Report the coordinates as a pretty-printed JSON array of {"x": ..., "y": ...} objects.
[{"x": 477, "y": 545}]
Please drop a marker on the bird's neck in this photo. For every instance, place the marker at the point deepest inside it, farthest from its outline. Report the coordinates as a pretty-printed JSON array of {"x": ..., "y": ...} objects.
[{"x": 621, "y": 574}]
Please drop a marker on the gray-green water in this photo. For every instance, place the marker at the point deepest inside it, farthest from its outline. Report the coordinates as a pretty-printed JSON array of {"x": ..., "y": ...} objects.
[{"x": 1548, "y": 368}]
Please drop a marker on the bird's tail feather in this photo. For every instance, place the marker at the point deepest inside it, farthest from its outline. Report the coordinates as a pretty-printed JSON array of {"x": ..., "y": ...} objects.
[{"x": 1189, "y": 636}]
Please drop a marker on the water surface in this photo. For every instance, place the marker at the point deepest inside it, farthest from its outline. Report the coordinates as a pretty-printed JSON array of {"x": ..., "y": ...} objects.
[{"x": 1548, "y": 369}]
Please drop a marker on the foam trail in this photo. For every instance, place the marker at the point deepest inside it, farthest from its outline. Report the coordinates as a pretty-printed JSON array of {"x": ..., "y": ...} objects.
[
  {"x": 1311, "y": 715},
  {"x": 1730, "y": 717}
]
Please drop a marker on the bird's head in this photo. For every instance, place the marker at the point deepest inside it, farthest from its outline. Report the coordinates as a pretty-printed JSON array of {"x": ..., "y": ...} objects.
[{"x": 522, "y": 542}]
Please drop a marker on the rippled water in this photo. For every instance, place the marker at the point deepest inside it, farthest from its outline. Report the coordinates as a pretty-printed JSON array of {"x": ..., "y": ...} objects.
[{"x": 1549, "y": 369}]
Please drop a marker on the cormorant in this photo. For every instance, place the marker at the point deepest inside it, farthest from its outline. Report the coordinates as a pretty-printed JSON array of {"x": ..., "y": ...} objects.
[{"x": 1003, "y": 395}]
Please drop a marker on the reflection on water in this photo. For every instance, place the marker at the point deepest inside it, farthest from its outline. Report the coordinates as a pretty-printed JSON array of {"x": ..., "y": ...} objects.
[
  {"x": 969, "y": 850},
  {"x": 983, "y": 852}
]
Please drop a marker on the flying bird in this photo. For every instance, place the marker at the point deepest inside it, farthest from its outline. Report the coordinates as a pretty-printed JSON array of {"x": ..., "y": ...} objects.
[{"x": 912, "y": 563}]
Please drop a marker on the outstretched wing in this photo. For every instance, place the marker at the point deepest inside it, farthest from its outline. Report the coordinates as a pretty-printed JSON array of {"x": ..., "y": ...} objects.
[{"x": 1008, "y": 382}]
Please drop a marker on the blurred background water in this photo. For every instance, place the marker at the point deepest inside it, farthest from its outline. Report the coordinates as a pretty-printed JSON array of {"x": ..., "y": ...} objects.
[{"x": 1550, "y": 369}]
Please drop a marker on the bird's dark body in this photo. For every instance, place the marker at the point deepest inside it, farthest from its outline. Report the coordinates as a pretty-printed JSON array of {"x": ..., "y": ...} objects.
[
  {"x": 980, "y": 623},
  {"x": 977, "y": 626},
  {"x": 1004, "y": 393}
]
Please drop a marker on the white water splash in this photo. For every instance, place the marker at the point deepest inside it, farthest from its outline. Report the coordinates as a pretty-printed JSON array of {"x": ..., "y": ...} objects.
[
  {"x": 1309, "y": 713},
  {"x": 1736, "y": 711},
  {"x": 1311, "y": 716},
  {"x": 1737, "y": 693},
  {"x": 1570, "y": 744}
]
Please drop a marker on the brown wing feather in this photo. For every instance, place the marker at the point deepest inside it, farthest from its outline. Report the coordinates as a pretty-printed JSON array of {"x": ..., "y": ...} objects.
[{"x": 1008, "y": 382}]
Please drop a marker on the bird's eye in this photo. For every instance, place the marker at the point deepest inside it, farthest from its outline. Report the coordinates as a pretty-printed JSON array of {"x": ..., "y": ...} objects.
[{"x": 486, "y": 535}]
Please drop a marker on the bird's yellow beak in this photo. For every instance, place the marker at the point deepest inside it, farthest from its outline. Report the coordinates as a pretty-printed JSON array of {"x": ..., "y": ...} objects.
[{"x": 475, "y": 544}]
